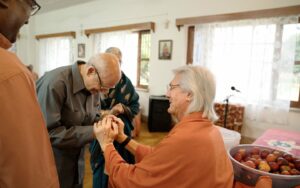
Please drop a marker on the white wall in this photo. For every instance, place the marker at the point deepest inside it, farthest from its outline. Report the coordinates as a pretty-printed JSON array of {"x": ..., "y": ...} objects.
[{"x": 103, "y": 13}]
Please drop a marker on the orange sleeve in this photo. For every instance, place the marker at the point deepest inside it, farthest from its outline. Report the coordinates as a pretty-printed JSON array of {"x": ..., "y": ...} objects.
[{"x": 141, "y": 152}]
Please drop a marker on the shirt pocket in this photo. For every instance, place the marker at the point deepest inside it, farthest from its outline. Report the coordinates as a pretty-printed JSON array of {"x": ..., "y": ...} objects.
[{"x": 71, "y": 118}]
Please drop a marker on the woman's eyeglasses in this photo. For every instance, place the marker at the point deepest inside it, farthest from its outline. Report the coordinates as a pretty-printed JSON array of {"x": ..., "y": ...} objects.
[{"x": 172, "y": 86}]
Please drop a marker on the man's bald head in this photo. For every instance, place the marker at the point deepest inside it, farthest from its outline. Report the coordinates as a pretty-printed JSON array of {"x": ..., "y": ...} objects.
[{"x": 108, "y": 68}]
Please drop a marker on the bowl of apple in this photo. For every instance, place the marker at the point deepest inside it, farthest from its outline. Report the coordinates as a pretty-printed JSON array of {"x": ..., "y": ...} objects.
[{"x": 252, "y": 161}]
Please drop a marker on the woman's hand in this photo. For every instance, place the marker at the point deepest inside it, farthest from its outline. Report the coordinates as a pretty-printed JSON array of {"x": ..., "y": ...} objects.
[
  {"x": 105, "y": 131},
  {"x": 104, "y": 113},
  {"x": 121, "y": 135},
  {"x": 117, "y": 109}
]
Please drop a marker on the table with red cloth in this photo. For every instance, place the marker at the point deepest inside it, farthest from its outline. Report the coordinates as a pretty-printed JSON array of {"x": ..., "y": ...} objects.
[{"x": 288, "y": 141}]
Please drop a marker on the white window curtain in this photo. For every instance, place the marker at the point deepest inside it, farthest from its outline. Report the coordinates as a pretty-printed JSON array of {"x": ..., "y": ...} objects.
[
  {"x": 253, "y": 56},
  {"x": 53, "y": 53},
  {"x": 127, "y": 42}
]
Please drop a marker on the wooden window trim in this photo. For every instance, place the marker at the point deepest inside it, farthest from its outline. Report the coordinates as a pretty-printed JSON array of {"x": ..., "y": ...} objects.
[
  {"x": 52, "y": 35},
  {"x": 190, "y": 45},
  {"x": 296, "y": 104},
  {"x": 138, "y": 26},
  {"x": 139, "y": 61},
  {"x": 138, "y": 85},
  {"x": 284, "y": 11}
]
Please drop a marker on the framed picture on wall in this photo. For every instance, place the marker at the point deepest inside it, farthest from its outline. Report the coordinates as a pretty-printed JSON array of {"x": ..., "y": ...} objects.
[
  {"x": 81, "y": 50},
  {"x": 165, "y": 49}
]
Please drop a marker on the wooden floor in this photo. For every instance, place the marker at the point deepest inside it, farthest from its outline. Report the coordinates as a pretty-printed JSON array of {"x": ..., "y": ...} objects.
[{"x": 145, "y": 137}]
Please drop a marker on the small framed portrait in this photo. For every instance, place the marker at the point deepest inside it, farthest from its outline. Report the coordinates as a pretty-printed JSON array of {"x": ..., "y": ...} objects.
[
  {"x": 81, "y": 50},
  {"x": 165, "y": 49}
]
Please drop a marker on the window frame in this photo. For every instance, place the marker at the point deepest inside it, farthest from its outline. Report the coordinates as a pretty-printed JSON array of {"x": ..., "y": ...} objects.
[
  {"x": 296, "y": 104},
  {"x": 139, "y": 60},
  {"x": 234, "y": 16}
]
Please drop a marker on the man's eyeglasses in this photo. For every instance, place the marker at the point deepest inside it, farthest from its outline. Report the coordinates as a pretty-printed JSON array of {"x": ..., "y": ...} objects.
[
  {"x": 172, "y": 86},
  {"x": 100, "y": 81},
  {"x": 35, "y": 7}
]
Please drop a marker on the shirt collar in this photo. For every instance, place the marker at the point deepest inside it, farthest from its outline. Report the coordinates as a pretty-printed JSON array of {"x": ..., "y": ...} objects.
[
  {"x": 194, "y": 116},
  {"x": 78, "y": 83},
  {"x": 4, "y": 42}
]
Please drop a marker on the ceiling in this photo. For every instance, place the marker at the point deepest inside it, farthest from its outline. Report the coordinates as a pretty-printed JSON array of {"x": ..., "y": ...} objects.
[{"x": 49, "y": 5}]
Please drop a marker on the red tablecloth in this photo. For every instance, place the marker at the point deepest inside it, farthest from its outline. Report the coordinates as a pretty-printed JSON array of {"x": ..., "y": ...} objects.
[{"x": 281, "y": 139}]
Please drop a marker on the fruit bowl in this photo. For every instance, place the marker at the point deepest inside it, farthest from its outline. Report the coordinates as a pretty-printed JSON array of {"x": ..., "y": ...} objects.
[{"x": 249, "y": 175}]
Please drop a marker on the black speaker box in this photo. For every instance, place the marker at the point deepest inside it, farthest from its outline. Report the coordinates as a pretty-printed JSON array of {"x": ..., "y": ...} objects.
[{"x": 159, "y": 120}]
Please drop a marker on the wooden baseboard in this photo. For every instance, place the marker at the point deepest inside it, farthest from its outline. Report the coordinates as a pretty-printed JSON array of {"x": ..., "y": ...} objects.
[{"x": 144, "y": 119}]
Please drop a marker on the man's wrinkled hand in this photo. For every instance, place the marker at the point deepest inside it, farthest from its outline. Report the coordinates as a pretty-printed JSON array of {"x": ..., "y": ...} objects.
[
  {"x": 106, "y": 131},
  {"x": 117, "y": 109}
]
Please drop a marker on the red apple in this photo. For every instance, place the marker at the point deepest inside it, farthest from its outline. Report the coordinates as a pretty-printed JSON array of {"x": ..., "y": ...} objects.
[
  {"x": 282, "y": 161},
  {"x": 288, "y": 157},
  {"x": 294, "y": 172},
  {"x": 297, "y": 164},
  {"x": 292, "y": 165},
  {"x": 271, "y": 158},
  {"x": 285, "y": 172},
  {"x": 264, "y": 153},
  {"x": 264, "y": 166},
  {"x": 284, "y": 168},
  {"x": 255, "y": 151},
  {"x": 277, "y": 153},
  {"x": 257, "y": 161},
  {"x": 274, "y": 166},
  {"x": 238, "y": 157},
  {"x": 250, "y": 164},
  {"x": 242, "y": 151},
  {"x": 256, "y": 156}
]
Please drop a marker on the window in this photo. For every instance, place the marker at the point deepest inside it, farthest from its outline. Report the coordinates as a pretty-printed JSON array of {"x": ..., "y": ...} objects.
[
  {"x": 135, "y": 48},
  {"x": 143, "y": 59},
  {"x": 230, "y": 50},
  {"x": 255, "y": 56},
  {"x": 248, "y": 50},
  {"x": 289, "y": 81},
  {"x": 54, "y": 52}
]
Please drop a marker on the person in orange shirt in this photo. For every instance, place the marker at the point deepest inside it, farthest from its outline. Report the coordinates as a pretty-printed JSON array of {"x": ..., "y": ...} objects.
[
  {"x": 191, "y": 155},
  {"x": 26, "y": 159}
]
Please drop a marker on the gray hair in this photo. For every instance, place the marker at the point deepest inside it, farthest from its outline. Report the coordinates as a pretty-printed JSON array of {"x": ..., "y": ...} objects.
[
  {"x": 116, "y": 51},
  {"x": 96, "y": 60},
  {"x": 200, "y": 83}
]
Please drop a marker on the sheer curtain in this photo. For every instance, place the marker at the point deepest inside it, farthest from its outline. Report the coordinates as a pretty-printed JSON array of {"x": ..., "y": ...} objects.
[
  {"x": 252, "y": 56},
  {"x": 53, "y": 53},
  {"x": 127, "y": 42}
]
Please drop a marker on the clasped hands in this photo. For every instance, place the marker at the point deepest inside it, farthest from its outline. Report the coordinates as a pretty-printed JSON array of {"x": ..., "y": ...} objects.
[
  {"x": 109, "y": 129},
  {"x": 116, "y": 110}
]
